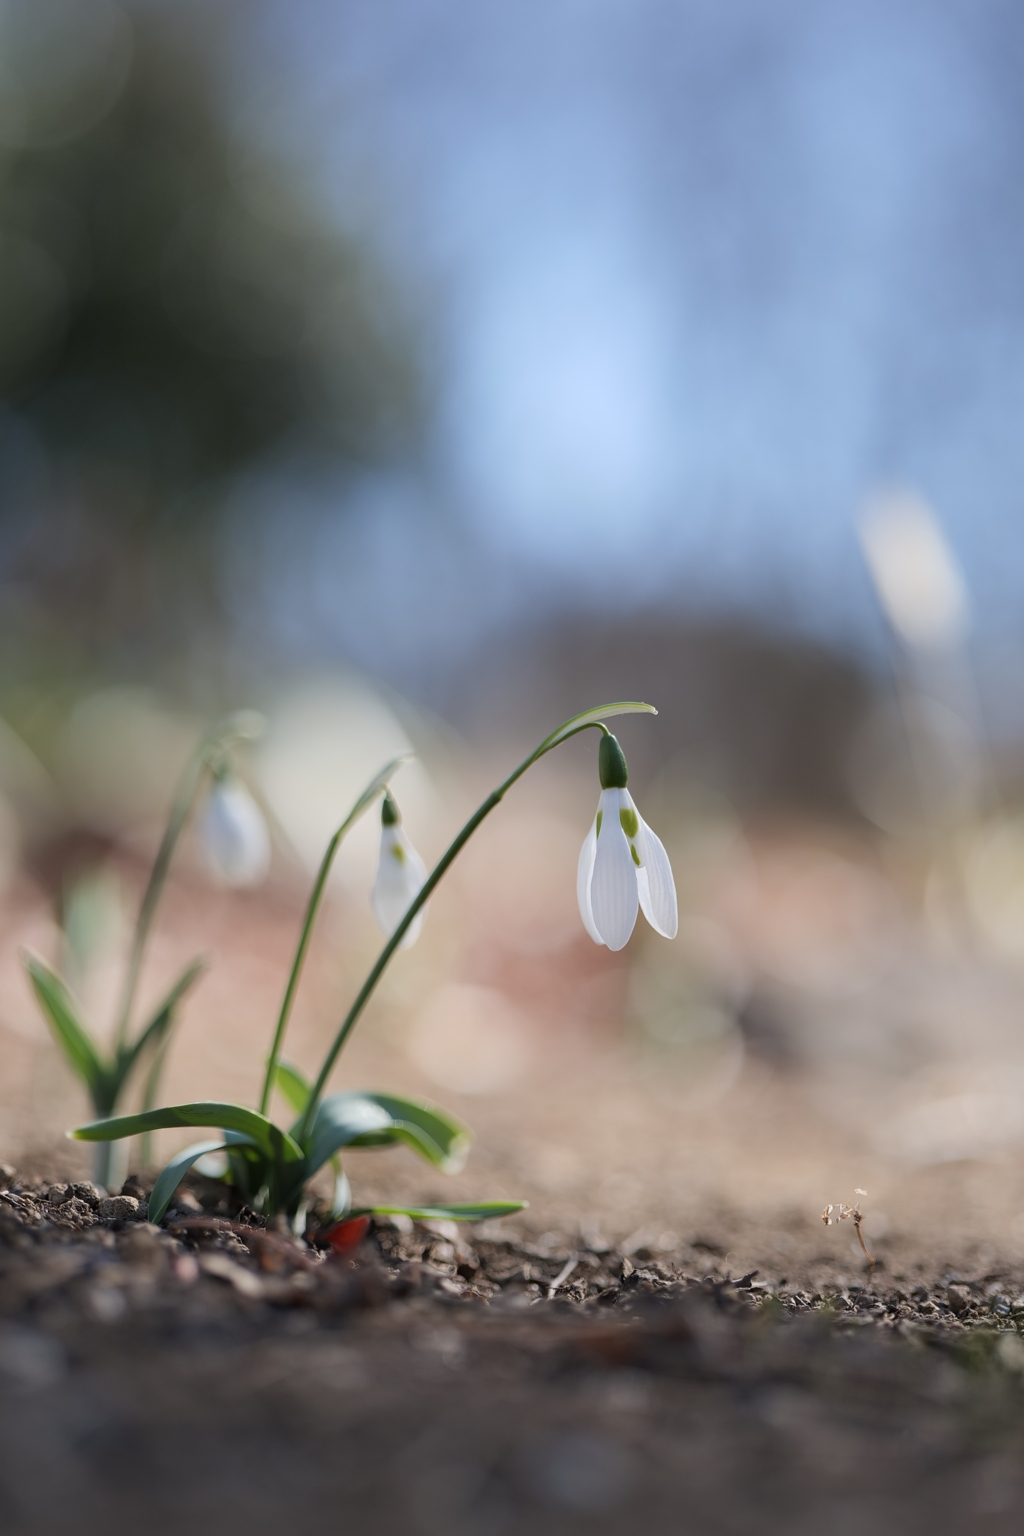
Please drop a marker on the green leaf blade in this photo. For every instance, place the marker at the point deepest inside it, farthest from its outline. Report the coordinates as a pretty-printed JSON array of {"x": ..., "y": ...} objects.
[
  {"x": 376, "y": 784},
  {"x": 74, "y": 1040},
  {"x": 594, "y": 717},
  {"x": 428, "y": 1130},
  {"x": 274, "y": 1143},
  {"x": 171, "y": 1176},
  {"x": 360, "y": 1119},
  {"x": 292, "y": 1086},
  {"x": 340, "y": 1121},
  {"x": 488, "y": 1210}
]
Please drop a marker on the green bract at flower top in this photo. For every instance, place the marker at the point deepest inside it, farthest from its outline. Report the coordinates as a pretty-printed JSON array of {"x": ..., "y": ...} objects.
[
  {"x": 236, "y": 843},
  {"x": 271, "y": 1167}
]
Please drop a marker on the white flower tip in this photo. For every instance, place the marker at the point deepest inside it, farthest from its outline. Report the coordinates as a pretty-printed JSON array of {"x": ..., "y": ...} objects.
[
  {"x": 234, "y": 836},
  {"x": 612, "y": 887},
  {"x": 623, "y": 866},
  {"x": 400, "y": 876}
]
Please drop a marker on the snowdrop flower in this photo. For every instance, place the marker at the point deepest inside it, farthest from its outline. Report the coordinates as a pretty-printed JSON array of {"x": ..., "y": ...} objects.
[
  {"x": 622, "y": 864},
  {"x": 400, "y": 875},
  {"x": 233, "y": 834}
]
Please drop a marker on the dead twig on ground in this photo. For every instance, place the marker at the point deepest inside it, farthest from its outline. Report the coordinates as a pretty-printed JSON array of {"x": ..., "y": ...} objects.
[{"x": 832, "y": 1215}]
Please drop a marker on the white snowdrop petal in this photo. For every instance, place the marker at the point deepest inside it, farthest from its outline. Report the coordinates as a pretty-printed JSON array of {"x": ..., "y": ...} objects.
[
  {"x": 613, "y": 887},
  {"x": 400, "y": 875},
  {"x": 584, "y": 874},
  {"x": 655, "y": 884},
  {"x": 233, "y": 835}
]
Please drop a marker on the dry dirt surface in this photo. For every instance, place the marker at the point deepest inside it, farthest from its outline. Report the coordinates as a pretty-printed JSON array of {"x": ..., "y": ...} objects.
[{"x": 214, "y": 1373}]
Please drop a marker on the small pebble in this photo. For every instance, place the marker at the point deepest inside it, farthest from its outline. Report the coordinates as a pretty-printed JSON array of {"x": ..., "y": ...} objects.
[{"x": 118, "y": 1208}]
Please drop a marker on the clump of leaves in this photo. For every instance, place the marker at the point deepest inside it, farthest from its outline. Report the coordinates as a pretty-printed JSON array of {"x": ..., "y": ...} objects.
[{"x": 107, "y": 1072}]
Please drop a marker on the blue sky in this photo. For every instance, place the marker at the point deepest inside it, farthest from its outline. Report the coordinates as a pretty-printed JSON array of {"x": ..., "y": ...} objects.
[{"x": 697, "y": 278}]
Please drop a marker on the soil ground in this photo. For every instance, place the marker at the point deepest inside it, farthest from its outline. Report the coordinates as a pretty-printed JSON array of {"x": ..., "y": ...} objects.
[
  {"x": 212, "y": 1373},
  {"x": 667, "y": 1340}
]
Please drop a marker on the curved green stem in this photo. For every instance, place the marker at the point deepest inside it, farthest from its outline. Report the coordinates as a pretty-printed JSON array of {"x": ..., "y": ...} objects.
[
  {"x": 240, "y": 724},
  {"x": 436, "y": 874},
  {"x": 312, "y": 908}
]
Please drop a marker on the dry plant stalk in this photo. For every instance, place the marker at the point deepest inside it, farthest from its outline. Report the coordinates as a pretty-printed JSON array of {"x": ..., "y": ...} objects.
[{"x": 832, "y": 1215}]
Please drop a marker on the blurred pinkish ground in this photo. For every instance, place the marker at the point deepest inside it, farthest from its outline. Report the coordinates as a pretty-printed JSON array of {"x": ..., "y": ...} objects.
[{"x": 826, "y": 1021}]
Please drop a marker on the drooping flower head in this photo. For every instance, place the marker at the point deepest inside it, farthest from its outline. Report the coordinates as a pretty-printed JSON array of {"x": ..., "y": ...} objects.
[
  {"x": 623, "y": 865},
  {"x": 400, "y": 875},
  {"x": 233, "y": 833}
]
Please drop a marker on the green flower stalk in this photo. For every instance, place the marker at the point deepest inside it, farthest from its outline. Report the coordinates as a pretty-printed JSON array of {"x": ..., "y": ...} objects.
[
  {"x": 106, "y": 1073},
  {"x": 271, "y": 1167},
  {"x": 365, "y": 800}
]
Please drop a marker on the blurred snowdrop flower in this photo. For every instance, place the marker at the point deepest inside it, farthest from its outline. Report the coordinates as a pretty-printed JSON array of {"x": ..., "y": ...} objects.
[
  {"x": 916, "y": 574},
  {"x": 400, "y": 875},
  {"x": 233, "y": 834},
  {"x": 623, "y": 865}
]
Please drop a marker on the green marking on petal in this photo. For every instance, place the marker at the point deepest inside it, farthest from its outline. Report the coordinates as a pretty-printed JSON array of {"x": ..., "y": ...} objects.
[
  {"x": 398, "y": 853},
  {"x": 630, "y": 821},
  {"x": 636, "y": 857},
  {"x": 600, "y": 818}
]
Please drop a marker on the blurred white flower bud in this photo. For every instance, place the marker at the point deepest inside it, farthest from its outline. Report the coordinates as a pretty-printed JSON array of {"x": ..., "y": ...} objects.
[
  {"x": 915, "y": 571},
  {"x": 233, "y": 835},
  {"x": 400, "y": 876}
]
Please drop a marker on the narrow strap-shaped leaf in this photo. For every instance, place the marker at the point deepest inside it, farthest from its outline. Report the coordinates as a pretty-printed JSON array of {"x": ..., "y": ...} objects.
[
  {"x": 275, "y": 1143},
  {"x": 72, "y": 1037},
  {"x": 238, "y": 1139},
  {"x": 409, "y": 1135},
  {"x": 417, "y": 1141},
  {"x": 293, "y": 1086},
  {"x": 161, "y": 1020},
  {"x": 358, "y": 1119},
  {"x": 593, "y": 717},
  {"x": 341, "y": 1120},
  {"x": 376, "y": 784},
  {"x": 483, "y": 1212},
  {"x": 431, "y": 1131},
  {"x": 172, "y": 1175}
]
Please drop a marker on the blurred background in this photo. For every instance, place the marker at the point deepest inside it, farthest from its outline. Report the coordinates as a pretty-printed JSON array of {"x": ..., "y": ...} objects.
[{"x": 421, "y": 375}]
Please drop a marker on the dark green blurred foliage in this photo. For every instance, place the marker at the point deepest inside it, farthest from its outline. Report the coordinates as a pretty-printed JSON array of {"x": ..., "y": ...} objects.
[{"x": 174, "y": 307}]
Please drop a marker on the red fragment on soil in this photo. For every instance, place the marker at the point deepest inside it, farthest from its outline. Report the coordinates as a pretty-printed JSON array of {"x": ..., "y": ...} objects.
[{"x": 345, "y": 1236}]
